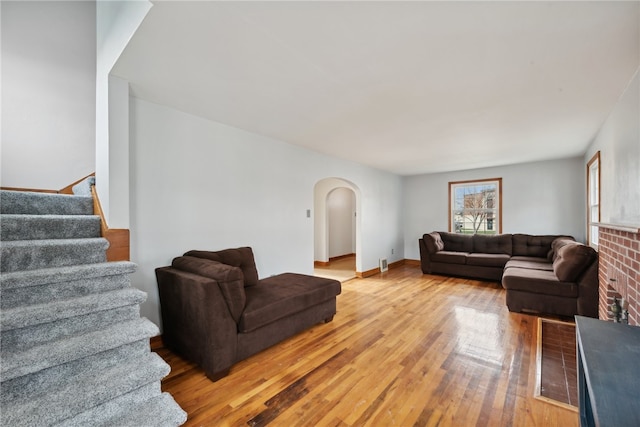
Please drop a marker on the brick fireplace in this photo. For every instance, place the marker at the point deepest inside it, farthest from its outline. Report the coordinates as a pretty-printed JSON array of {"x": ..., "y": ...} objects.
[{"x": 619, "y": 269}]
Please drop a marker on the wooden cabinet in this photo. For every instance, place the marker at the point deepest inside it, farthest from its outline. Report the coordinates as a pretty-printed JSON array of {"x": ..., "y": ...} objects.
[{"x": 608, "y": 373}]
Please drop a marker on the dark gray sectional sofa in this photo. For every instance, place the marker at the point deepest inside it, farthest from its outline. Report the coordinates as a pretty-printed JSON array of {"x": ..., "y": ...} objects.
[{"x": 542, "y": 274}]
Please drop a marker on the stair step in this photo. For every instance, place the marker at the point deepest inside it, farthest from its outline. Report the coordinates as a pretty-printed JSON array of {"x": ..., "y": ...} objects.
[
  {"x": 83, "y": 188},
  {"x": 43, "y": 227},
  {"x": 32, "y": 203},
  {"x": 30, "y": 287},
  {"x": 163, "y": 410},
  {"x": 47, "y": 380},
  {"x": 15, "y": 364},
  {"x": 17, "y": 279},
  {"x": 30, "y": 315},
  {"x": 132, "y": 410},
  {"x": 20, "y": 255},
  {"x": 87, "y": 391},
  {"x": 25, "y": 338}
]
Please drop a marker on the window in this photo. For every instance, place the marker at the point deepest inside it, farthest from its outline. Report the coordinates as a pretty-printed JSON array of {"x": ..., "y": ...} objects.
[
  {"x": 475, "y": 207},
  {"x": 593, "y": 199}
]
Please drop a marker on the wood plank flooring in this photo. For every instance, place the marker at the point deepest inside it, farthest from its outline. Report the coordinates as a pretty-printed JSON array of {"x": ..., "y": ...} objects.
[{"x": 404, "y": 349}]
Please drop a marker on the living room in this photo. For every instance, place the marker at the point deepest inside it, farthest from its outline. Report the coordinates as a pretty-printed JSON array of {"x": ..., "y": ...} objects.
[{"x": 181, "y": 181}]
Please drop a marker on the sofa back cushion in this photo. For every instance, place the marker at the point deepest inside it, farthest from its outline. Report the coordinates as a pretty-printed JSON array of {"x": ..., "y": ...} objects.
[
  {"x": 532, "y": 245},
  {"x": 230, "y": 280},
  {"x": 571, "y": 260},
  {"x": 433, "y": 242},
  {"x": 557, "y": 244},
  {"x": 492, "y": 244},
  {"x": 238, "y": 257},
  {"x": 456, "y": 242}
]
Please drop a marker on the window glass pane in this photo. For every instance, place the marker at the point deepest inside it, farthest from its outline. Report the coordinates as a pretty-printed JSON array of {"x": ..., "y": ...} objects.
[{"x": 475, "y": 207}]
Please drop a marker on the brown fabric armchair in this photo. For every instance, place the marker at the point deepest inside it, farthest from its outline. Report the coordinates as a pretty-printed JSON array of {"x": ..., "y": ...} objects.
[{"x": 216, "y": 312}]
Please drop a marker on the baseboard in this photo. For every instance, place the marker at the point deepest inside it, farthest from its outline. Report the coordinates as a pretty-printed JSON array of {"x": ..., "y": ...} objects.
[
  {"x": 336, "y": 258},
  {"x": 332, "y": 259},
  {"x": 395, "y": 264}
]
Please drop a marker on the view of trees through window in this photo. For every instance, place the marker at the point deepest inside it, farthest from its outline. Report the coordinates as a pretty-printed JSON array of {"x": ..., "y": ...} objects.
[{"x": 475, "y": 206}]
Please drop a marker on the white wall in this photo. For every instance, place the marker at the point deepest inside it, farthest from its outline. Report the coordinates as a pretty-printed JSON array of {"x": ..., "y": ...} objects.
[
  {"x": 117, "y": 21},
  {"x": 619, "y": 144},
  {"x": 197, "y": 184},
  {"x": 537, "y": 198},
  {"x": 48, "y": 93},
  {"x": 341, "y": 207}
]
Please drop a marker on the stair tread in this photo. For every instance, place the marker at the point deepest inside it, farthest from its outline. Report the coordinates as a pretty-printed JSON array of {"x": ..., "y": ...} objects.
[
  {"x": 25, "y": 202},
  {"x": 101, "y": 241},
  {"x": 25, "y": 316},
  {"x": 55, "y": 353},
  {"x": 43, "y": 276},
  {"x": 49, "y": 216},
  {"x": 162, "y": 409},
  {"x": 33, "y": 227},
  {"x": 20, "y": 255},
  {"x": 87, "y": 390}
]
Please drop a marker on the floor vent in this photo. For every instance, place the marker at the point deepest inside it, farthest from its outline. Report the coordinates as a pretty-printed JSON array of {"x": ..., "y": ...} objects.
[{"x": 383, "y": 265}]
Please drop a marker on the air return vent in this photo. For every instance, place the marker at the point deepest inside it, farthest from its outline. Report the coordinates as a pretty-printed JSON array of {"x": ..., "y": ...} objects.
[{"x": 383, "y": 265}]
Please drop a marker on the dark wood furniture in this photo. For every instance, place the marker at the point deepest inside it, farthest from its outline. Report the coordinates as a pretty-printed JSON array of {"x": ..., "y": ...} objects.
[{"x": 608, "y": 373}]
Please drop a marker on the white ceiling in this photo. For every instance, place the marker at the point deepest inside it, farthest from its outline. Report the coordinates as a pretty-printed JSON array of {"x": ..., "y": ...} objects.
[{"x": 407, "y": 87}]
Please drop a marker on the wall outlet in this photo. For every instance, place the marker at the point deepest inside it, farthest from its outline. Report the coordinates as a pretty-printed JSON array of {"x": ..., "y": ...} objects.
[{"x": 392, "y": 251}]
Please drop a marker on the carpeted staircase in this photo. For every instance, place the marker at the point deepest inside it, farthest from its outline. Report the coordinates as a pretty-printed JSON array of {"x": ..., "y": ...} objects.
[{"x": 74, "y": 350}]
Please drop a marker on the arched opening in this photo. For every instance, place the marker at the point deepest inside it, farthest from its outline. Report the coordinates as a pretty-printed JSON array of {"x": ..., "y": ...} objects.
[{"x": 336, "y": 228}]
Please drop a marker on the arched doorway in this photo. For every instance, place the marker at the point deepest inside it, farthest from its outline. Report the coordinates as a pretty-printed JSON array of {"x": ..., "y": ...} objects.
[{"x": 336, "y": 228}]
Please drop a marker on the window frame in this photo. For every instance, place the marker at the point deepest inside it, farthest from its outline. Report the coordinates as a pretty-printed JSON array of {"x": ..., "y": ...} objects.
[
  {"x": 593, "y": 208},
  {"x": 454, "y": 184}
]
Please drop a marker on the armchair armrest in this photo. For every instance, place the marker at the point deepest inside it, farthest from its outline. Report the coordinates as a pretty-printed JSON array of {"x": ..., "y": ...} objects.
[
  {"x": 230, "y": 280},
  {"x": 196, "y": 321}
]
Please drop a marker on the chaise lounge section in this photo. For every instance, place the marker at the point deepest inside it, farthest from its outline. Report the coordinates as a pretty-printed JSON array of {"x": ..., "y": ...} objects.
[
  {"x": 216, "y": 312},
  {"x": 548, "y": 274}
]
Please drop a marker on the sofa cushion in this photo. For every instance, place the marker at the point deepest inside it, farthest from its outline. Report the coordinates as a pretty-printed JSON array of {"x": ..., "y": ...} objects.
[
  {"x": 571, "y": 260},
  {"x": 449, "y": 257},
  {"x": 492, "y": 244},
  {"x": 537, "y": 282},
  {"x": 282, "y": 295},
  {"x": 532, "y": 263},
  {"x": 556, "y": 245},
  {"x": 433, "y": 241},
  {"x": 531, "y": 245},
  {"x": 455, "y": 242},
  {"x": 239, "y": 257},
  {"x": 230, "y": 280},
  {"x": 488, "y": 260}
]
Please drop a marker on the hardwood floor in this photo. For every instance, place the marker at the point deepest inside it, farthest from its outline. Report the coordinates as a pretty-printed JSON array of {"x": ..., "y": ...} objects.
[{"x": 404, "y": 349}]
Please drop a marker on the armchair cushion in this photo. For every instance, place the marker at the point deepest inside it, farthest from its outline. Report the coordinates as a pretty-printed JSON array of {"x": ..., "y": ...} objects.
[
  {"x": 282, "y": 295},
  {"x": 230, "y": 280},
  {"x": 238, "y": 257}
]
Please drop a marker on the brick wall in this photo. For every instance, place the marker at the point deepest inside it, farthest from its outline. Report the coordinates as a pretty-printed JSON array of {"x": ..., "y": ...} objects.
[{"x": 619, "y": 270}]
